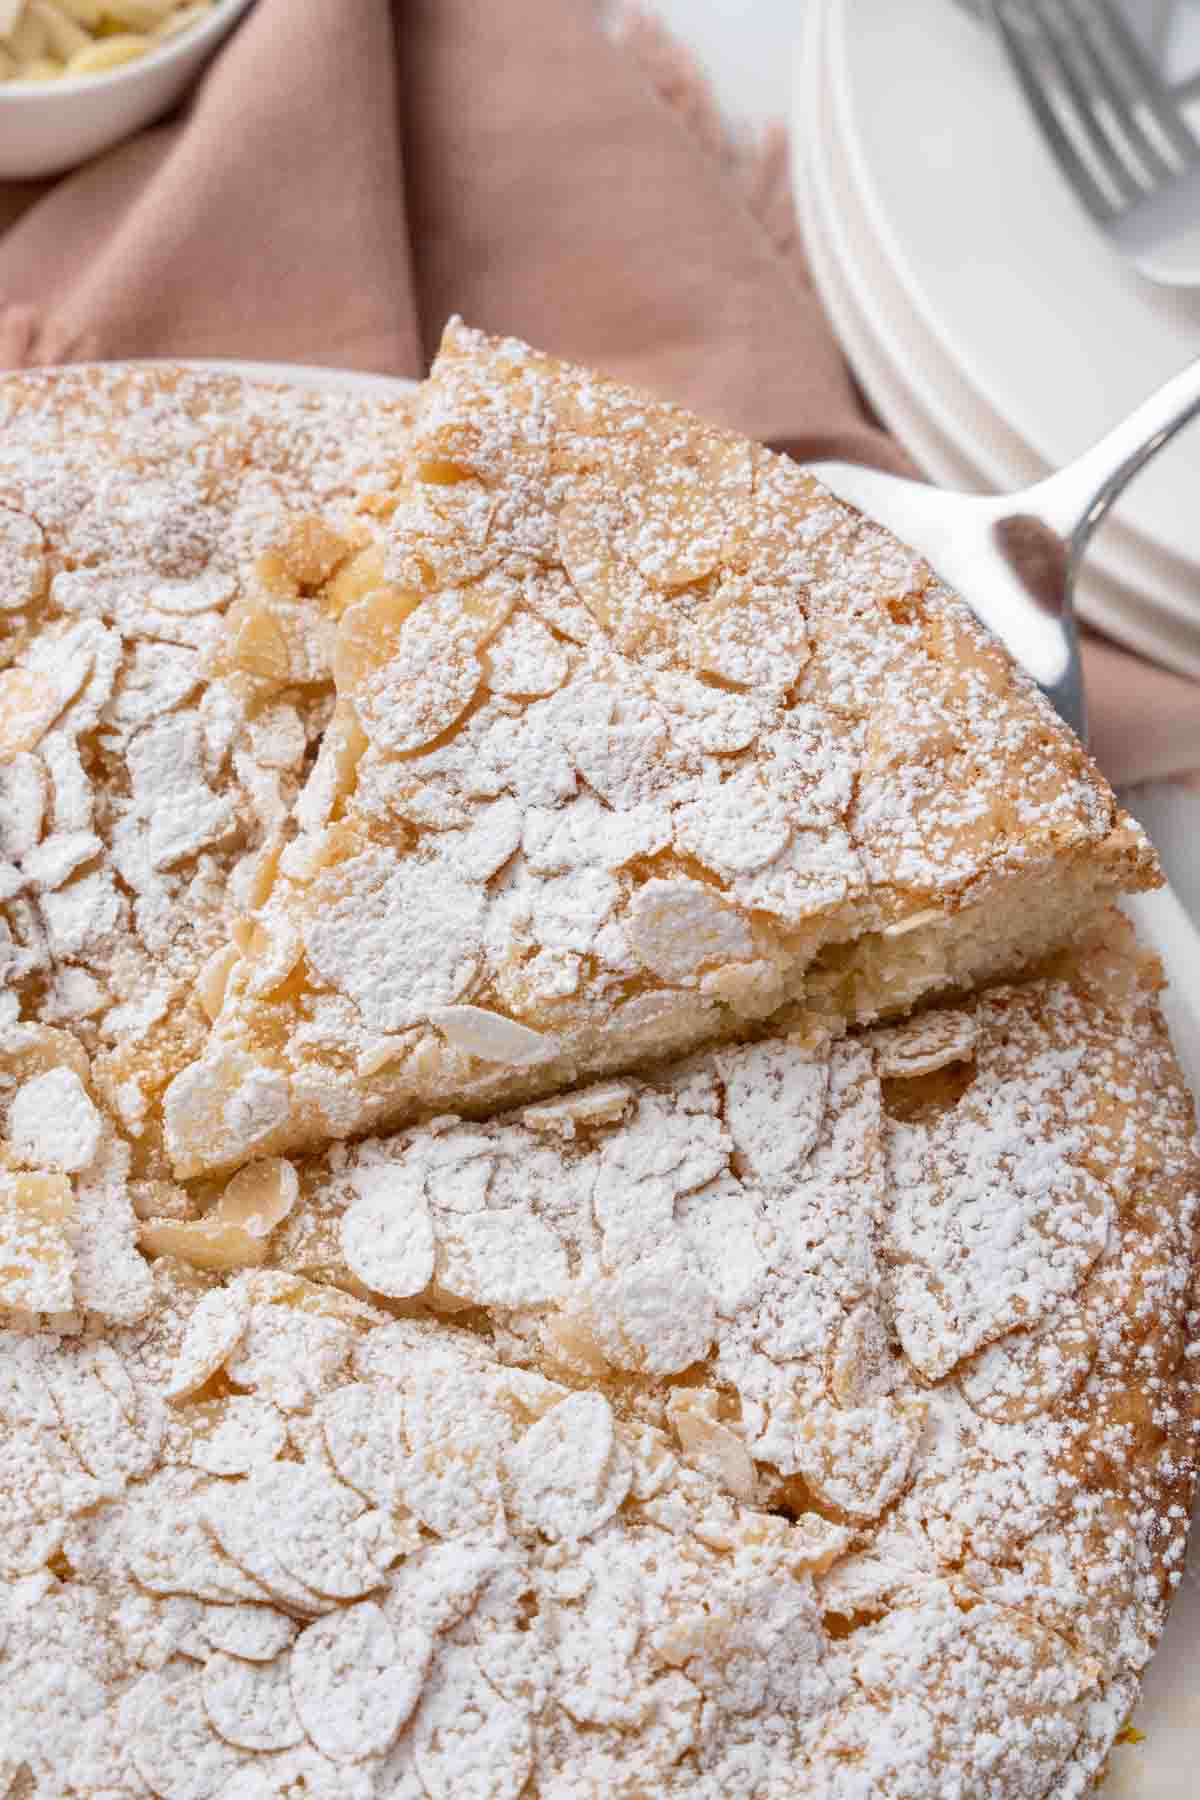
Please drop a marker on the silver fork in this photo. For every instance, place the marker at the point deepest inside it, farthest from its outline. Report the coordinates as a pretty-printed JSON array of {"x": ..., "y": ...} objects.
[
  {"x": 1114, "y": 127},
  {"x": 1014, "y": 558}
]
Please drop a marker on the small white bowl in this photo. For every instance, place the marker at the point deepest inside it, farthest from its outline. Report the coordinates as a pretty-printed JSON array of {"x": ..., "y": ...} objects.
[{"x": 49, "y": 126}]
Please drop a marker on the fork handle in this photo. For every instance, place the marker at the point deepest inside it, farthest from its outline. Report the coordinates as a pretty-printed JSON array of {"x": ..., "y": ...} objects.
[{"x": 1074, "y": 500}]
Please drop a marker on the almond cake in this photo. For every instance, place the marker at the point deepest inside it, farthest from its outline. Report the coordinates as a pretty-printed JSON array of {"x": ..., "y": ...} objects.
[
  {"x": 807, "y": 1412},
  {"x": 799, "y": 1420},
  {"x": 641, "y": 738}
]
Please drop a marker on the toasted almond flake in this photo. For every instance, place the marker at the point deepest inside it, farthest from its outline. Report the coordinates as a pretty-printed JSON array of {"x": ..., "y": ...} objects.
[
  {"x": 361, "y": 576},
  {"x": 233, "y": 1435},
  {"x": 247, "y": 1521},
  {"x": 355, "y": 1681},
  {"x": 319, "y": 1512},
  {"x": 861, "y": 1364},
  {"x": 678, "y": 926},
  {"x": 213, "y": 978},
  {"x": 362, "y": 943},
  {"x": 424, "y": 682},
  {"x": 29, "y": 705},
  {"x": 249, "y": 1704},
  {"x": 259, "y": 1197},
  {"x": 569, "y": 1473},
  {"x": 37, "y": 1252},
  {"x": 387, "y": 1237},
  {"x": 469, "y": 1737},
  {"x": 173, "y": 1747},
  {"x": 22, "y": 559},
  {"x": 751, "y": 636},
  {"x": 506, "y": 1257},
  {"x": 599, "y": 1105},
  {"x": 525, "y": 659},
  {"x": 210, "y": 1243},
  {"x": 258, "y": 646},
  {"x": 218, "y": 1112},
  {"x": 859, "y": 1458},
  {"x": 254, "y": 1633},
  {"x": 924, "y": 1044},
  {"x": 174, "y": 1555},
  {"x": 369, "y": 629},
  {"x": 216, "y": 1326},
  {"x": 712, "y": 1446},
  {"x": 491, "y": 1036},
  {"x": 53, "y": 1124},
  {"x": 362, "y": 1428}
]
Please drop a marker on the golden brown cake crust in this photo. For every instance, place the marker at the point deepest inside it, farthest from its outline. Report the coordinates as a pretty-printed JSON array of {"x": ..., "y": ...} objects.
[{"x": 644, "y": 738}]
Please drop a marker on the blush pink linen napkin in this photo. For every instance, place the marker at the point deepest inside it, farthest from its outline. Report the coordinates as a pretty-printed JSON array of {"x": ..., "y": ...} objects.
[{"x": 350, "y": 172}]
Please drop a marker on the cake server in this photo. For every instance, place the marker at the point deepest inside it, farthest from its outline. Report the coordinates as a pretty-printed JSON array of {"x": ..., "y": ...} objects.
[{"x": 1014, "y": 558}]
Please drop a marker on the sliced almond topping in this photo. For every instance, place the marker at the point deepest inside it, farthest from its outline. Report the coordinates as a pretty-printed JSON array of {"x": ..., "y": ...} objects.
[
  {"x": 218, "y": 1112},
  {"x": 362, "y": 1429},
  {"x": 174, "y": 1747},
  {"x": 369, "y": 632},
  {"x": 603, "y": 1104},
  {"x": 614, "y": 594},
  {"x": 687, "y": 506},
  {"x": 710, "y": 1445},
  {"x": 259, "y": 1197},
  {"x": 424, "y": 680},
  {"x": 862, "y": 1367},
  {"x": 354, "y": 581},
  {"x": 52, "y": 1123},
  {"x": 677, "y": 927},
  {"x": 751, "y": 637},
  {"x": 525, "y": 659},
  {"x": 506, "y": 1257},
  {"x": 29, "y": 705},
  {"x": 924, "y": 1044},
  {"x": 312, "y": 550},
  {"x": 213, "y": 979},
  {"x": 859, "y": 1459},
  {"x": 387, "y": 1236},
  {"x": 249, "y": 1704},
  {"x": 37, "y": 1253},
  {"x": 233, "y": 1435},
  {"x": 205, "y": 1243},
  {"x": 255, "y": 1633},
  {"x": 248, "y": 1519},
  {"x": 213, "y": 1332},
  {"x": 569, "y": 1473},
  {"x": 22, "y": 561},
  {"x": 257, "y": 644},
  {"x": 355, "y": 1681},
  {"x": 491, "y": 1036}
]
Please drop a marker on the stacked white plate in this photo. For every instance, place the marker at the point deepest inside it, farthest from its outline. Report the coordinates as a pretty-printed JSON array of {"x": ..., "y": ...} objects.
[{"x": 988, "y": 322}]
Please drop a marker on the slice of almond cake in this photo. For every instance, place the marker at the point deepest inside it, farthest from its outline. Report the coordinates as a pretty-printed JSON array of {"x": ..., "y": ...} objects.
[{"x": 642, "y": 738}]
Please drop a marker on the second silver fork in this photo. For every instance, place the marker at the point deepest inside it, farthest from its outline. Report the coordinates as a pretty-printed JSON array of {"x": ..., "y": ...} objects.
[{"x": 1115, "y": 128}]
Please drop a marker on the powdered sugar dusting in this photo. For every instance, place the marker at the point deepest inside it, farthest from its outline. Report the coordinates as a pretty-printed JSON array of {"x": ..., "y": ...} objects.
[{"x": 711, "y": 729}]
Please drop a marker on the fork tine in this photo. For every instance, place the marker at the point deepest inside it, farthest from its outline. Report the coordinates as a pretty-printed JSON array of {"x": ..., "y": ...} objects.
[
  {"x": 1111, "y": 152},
  {"x": 1122, "y": 103},
  {"x": 1029, "y": 75},
  {"x": 1150, "y": 88}
]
